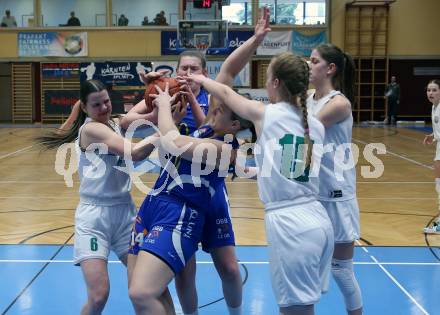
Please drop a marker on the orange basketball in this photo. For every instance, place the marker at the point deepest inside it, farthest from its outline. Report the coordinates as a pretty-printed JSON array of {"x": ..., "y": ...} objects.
[{"x": 173, "y": 86}]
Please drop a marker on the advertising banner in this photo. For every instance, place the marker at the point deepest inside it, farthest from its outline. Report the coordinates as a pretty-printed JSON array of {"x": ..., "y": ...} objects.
[
  {"x": 256, "y": 94},
  {"x": 52, "y": 44},
  {"x": 169, "y": 44},
  {"x": 59, "y": 70},
  {"x": 275, "y": 43},
  {"x": 59, "y": 101},
  {"x": 304, "y": 44},
  {"x": 115, "y": 73},
  {"x": 213, "y": 68}
]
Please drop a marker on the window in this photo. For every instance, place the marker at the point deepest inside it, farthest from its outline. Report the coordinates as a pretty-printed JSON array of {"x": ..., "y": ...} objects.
[
  {"x": 72, "y": 13},
  {"x": 238, "y": 12},
  {"x": 138, "y": 11},
  {"x": 296, "y": 12},
  {"x": 20, "y": 11}
]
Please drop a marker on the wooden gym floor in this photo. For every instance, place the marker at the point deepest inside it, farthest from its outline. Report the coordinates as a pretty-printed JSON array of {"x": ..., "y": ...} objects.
[{"x": 36, "y": 207}]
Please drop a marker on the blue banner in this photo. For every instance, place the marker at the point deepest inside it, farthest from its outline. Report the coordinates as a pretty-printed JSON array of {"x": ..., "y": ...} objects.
[
  {"x": 304, "y": 44},
  {"x": 42, "y": 44},
  {"x": 169, "y": 44},
  {"x": 59, "y": 70},
  {"x": 115, "y": 73},
  {"x": 123, "y": 81}
]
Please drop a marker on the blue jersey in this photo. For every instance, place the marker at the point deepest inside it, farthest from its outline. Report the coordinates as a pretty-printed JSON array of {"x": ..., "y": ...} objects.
[
  {"x": 217, "y": 229},
  {"x": 188, "y": 125},
  {"x": 197, "y": 191},
  {"x": 171, "y": 223}
]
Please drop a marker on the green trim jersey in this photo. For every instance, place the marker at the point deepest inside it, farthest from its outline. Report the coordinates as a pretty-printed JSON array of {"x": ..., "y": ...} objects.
[
  {"x": 283, "y": 176},
  {"x": 435, "y": 115},
  {"x": 101, "y": 179},
  {"x": 336, "y": 182}
]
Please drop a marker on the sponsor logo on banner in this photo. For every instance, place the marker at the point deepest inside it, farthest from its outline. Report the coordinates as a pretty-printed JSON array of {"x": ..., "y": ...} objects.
[
  {"x": 169, "y": 44},
  {"x": 212, "y": 67},
  {"x": 242, "y": 79},
  {"x": 123, "y": 79},
  {"x": 54, "y": 44},
  {"x": 60, "y": 70},
  {"x": 59, "y": 101},
  {"x": 256, "y": 94},
  {"x": 115, "y": 73},
  {"x": 275, "y": 43},
  {"x": 304, "y": 44}
]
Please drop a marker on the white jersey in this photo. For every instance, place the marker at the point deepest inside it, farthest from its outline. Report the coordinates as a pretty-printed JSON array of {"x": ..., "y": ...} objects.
[
  {"x": 101, "y": 182},
  {"x": 281, "y": 177},
  {"x": 436, "y": 121},
  {"x": 335, "y": 183}
]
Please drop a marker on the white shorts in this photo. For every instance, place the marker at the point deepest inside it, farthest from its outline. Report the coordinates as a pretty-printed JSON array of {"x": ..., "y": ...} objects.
[
  {"x": 99, "y": 229},
  {"x": 437, "y": 152},
  {"x": 300, "y": 244},
  {"x": 345, "y": 219}
]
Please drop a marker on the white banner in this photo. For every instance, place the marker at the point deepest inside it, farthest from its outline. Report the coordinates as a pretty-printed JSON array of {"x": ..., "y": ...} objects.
[
  {"x": 256, "y": 94},
  {"x": 56, "y": 44},
  {"x": 213, "y": 68},
  {"x": 275, "y": 43}
]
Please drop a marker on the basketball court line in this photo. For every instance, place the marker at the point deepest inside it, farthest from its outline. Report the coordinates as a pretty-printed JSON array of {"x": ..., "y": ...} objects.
[
  {"x": 398, "y": 155},
  {"x": 61, "y": 261},
  {"x": 397, "y": 283},
  {"x": 232, "y": 198},
  {"x": 151, "y": 182},
  {"x": 375, "y": 261},
  {"x": 18, "y": 151}
]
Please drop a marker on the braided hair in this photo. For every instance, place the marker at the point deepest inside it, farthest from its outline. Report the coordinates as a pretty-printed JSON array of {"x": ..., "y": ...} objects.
[{"x": 293, "y": 73}]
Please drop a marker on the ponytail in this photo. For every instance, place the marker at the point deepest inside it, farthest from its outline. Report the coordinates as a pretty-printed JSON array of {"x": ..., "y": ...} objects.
[
  {"x": 343, "y": 79},
  {"x": 348, "y": 78},
  {"x": 57, "y": 137}
]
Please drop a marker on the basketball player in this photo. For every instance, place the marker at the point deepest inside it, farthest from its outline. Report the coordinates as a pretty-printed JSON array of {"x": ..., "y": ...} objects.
[
  {"x": 433, "y": 94},
  {"x": 106, "y": 211},
  {"x": 197, "y": 107},
  {"x": 170, "y": 222},
  {"x": 332, "y": 74},
  {"x": 295, "y": 221}
]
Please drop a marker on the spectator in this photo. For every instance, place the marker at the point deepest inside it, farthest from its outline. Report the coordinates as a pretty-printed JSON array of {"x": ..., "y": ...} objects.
[
  {"x": 145, "y": 21},
  {"x": 160, "y": 19},
  {"x": 73, "y": 20},
  {"x": 123, "y": 20},
  {"x": 393, "y": 95},
  {"x": 8, "y": 20}
]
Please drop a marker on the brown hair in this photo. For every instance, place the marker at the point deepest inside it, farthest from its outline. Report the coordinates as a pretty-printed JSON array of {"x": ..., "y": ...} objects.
[
  {"x": 192, "y": 53},
  {"x": 435, "y": 81},
  {"x": 343, "y": 80},
  {"x": 293, "y": 73}
]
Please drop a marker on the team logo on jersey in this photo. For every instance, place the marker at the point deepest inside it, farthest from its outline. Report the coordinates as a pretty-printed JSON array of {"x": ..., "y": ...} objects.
[
  {"x": 335, "y": 194},
  {"x": 436, "y": 119},
  {"x": 156, "y": 230},
  {"x": 222, "y": 228},
  {"x": 192, "y": 222}
]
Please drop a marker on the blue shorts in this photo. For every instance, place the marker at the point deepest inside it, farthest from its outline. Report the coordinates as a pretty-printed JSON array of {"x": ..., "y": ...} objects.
[
  {"x": 217, "y": 231},
  {"x": 167, "y": 228}
]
